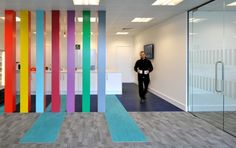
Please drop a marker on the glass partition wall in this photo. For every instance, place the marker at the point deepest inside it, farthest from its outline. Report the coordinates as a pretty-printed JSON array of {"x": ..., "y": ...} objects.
[{"x": 212, "y": 64}]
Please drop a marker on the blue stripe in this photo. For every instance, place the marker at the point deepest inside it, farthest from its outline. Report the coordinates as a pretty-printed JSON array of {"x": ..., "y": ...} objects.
[
  {"x": 46, "y": 128},
  {"x": 101, "y": 61},
  {"x": 121, "y": 126},
  {"x": 40, "y": 61}
]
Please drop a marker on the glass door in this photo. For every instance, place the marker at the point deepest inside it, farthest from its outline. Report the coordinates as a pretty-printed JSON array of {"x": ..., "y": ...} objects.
[
  {"x": 212, "y": 64},
  {"x": 230, "y": 66},
  {"x": 206, "y": 67}
]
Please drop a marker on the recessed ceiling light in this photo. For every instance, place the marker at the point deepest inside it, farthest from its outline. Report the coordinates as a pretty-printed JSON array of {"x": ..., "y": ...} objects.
[
  {"x": 86, "y": 2},
  {"x": 196, "y": 20},
  {"x": 122, "y": 33},
  {"x": 141, "y": 20},
  {"x": 167, "y": 2},
  {"x": 17, "y": 19},
  {"x": 232, "y": 4},
  {"x": 92, "y": 19}
]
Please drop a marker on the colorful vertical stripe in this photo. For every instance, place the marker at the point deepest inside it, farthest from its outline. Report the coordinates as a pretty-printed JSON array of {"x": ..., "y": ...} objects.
[
  {"x": 86, "y": 62},
  {"x": 10, "y": 61},
  {"x": 40, "y": 61},
  {"x": 25, "y": 61},
  {"x": 56, "y": 61},
  {"x": 101, "y": 61},
  {"x": 71, "y": 61}
]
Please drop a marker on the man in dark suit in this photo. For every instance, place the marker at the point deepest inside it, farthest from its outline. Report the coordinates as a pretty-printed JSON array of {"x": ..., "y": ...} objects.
[{"x": 143, "y": 67}]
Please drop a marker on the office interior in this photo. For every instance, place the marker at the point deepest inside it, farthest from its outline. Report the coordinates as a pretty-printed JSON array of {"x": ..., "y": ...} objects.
[{"x": 75, "y": 61}]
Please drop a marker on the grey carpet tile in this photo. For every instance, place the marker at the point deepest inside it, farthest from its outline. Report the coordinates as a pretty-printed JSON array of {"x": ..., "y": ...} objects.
[
  {"x": 89, "y": 130},
  {"x": 216, "y": 119},
  {"x": 13, "y": 126}
]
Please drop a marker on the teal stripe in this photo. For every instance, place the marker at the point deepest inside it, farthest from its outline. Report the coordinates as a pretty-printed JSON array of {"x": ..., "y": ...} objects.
[
  {"x": 86, "y": 62},
  {"x": 120, "y": 124},
  {"x": 47, "y": 127},
  {"x": 1, "y": 109}
]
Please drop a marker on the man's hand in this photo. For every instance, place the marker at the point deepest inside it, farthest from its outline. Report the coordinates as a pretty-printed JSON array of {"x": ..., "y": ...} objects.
[
  {"x": 146, "y": 72},
  {"x": 140, "y": 71}
]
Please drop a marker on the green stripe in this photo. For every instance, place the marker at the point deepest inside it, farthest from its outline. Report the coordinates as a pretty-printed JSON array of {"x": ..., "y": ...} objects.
[{"x": 86, "y": 62}]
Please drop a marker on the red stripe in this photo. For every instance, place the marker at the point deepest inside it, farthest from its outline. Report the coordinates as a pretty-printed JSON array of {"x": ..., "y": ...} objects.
[
  {"x": 55, "y": 61},
  {"x": 10, "y": 61}
]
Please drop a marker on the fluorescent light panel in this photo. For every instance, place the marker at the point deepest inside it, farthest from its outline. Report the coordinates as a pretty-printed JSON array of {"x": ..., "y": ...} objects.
[
  {"x": 141, "y": 19},
  {"x": 92, "y": 19},
  {"x": 17, "y": 19},
  {"x": 232, "y": 4},
  {"x": 122, "y": 33},
  {"x": 86, "y": 2},
  {"x": 167, "y": 2}
]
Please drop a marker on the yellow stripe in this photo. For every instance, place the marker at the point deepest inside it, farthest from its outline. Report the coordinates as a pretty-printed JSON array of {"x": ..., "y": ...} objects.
[{"x": 24, "y": 61}]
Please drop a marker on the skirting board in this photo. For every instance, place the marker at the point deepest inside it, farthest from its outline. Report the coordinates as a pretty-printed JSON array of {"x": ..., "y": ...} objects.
[{"x": 167, "y": 98}]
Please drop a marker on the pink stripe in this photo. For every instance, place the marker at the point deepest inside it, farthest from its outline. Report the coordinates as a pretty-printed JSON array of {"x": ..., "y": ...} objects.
[{"x": 55, "y": 61}]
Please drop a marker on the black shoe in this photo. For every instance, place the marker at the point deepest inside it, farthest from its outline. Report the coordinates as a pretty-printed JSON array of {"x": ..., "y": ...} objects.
[{"x": 142, "y": 100}]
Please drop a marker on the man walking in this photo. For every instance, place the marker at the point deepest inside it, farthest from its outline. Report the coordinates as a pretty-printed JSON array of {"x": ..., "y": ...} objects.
[{"x": 143, "y": 67}]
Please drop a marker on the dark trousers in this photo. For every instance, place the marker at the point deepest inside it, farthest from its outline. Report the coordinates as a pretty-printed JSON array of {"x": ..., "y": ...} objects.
[{"x": 143, "y": 86}]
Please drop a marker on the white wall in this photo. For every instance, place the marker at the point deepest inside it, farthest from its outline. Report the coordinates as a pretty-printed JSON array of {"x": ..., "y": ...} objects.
[
  {"x": 115, "y": 61},
  {"x": 120, "y": 56},
  {"x": 114, "y": 55},
  {"x": 168, "y": 79}
]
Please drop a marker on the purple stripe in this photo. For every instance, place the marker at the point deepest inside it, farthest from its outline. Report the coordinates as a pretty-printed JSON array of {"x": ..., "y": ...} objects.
[{"x": 70, "y": 61}]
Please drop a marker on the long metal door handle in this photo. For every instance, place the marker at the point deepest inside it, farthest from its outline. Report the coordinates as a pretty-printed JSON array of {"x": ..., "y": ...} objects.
[
  {"x": 223, "y": 78},
  {"x": 216, "y": 76}
]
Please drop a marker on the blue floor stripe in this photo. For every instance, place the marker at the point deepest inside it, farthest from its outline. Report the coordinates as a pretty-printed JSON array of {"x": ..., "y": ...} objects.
[
  {"x": 121, "y": 126},
  {"x": 1, "y": 109},
  {"x": 46, "y": 128}
]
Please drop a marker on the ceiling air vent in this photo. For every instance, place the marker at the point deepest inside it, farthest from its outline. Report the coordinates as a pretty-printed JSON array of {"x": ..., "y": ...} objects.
[{"x": 126, "y": 29}]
